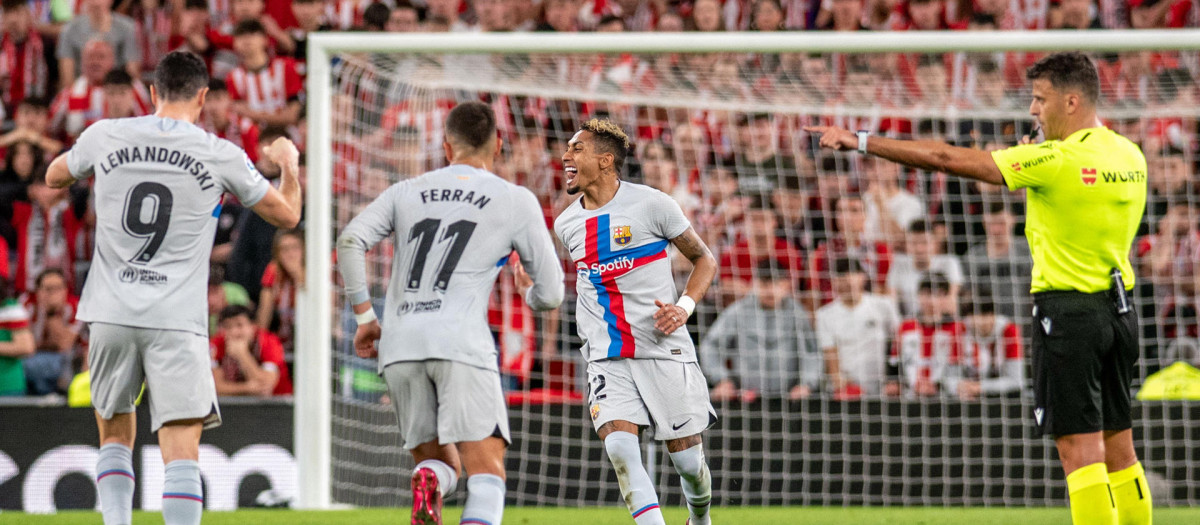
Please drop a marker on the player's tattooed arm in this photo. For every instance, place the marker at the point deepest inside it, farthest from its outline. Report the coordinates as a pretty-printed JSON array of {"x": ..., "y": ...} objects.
[{"x": 704, "y": 265}]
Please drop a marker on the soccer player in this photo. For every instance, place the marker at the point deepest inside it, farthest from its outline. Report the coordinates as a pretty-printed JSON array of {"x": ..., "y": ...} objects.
[
  {"x": 159, "y": 183},
  {"x": 1086, "y": 191},
  {"x": 454, "y": 229},
  {"x": 641, "y": 362}
]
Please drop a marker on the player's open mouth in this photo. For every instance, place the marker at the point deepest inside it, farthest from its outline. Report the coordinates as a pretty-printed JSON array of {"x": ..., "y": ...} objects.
[{"x": 571, "y": 172}]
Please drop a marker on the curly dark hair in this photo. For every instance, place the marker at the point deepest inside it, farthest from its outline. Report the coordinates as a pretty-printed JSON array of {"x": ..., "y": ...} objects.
[{"x": 1068, "y": 70}]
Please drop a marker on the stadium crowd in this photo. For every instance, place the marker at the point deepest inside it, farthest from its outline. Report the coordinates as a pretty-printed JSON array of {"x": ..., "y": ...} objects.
[{"x": 840, "y": 275}]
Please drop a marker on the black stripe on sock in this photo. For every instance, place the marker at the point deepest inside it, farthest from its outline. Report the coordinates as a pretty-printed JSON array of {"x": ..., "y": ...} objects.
[
  {"x": 1110, "y": 496},
  {"x": 1138, "y": 483}
]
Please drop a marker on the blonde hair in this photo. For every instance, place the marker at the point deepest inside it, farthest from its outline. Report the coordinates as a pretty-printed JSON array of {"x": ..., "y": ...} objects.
[{"x": 609, "y": 138}]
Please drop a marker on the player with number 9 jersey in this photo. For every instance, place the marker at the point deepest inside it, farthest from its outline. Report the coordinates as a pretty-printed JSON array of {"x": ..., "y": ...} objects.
[{"x": 159, "y": 184}]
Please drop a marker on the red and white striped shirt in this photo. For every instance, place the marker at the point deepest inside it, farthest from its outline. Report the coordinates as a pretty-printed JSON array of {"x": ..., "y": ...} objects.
[
  {"x": 987, "y": 355},
  {"x": 23, "y": 69},
  {"x": 268, "y": 89},
  {"x": 241, "y": 131},
  {"x": 82, "y": 104},
  {"x": 924, "y": 351}
]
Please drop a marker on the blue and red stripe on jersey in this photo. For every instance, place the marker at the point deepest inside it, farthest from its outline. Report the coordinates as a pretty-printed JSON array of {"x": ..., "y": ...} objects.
[{"x": 598, "y": 251}]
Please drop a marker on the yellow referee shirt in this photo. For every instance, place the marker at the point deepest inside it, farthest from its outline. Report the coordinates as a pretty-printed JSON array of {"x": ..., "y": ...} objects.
[{"x": 1086, "y": 195}]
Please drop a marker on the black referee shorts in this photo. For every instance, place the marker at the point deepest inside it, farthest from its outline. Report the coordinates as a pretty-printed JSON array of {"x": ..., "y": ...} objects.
[{"x": 1083, "y": 359}]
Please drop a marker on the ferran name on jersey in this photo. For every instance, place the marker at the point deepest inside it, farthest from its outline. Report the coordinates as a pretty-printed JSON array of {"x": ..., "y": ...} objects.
[{"x": 622, "y": 235}]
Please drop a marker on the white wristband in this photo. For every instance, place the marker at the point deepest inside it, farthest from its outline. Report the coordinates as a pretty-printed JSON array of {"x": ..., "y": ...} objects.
[
  {"x": 366, "y": 317},
  {"x": 687, "y": 303}
]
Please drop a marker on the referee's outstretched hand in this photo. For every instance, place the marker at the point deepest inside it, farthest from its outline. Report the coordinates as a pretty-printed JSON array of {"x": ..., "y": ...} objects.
[
  {"x": 365, "y": 338},
  {"x": 837, "y": 139}
]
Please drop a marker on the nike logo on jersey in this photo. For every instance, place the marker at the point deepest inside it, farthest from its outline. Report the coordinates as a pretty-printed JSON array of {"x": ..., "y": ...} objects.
[{"x": 679, "y": 426}]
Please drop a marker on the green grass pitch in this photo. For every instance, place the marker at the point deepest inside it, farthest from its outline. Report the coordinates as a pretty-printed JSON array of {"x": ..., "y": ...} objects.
[{"x": 618, "y": 516}]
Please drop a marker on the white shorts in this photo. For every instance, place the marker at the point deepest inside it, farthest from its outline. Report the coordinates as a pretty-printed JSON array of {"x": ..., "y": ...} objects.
[
  {"x": 446, "y": 401},
  {"x": 174, "y": 364},
  {"x": 670, "y": 397}
]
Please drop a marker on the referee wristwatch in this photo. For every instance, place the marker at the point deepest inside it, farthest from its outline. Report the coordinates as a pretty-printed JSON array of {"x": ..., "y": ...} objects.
[{"x": 862, "y": 140}]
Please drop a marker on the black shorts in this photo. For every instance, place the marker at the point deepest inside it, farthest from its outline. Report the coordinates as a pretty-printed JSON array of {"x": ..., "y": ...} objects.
[{"x": 1083, "y": 359}]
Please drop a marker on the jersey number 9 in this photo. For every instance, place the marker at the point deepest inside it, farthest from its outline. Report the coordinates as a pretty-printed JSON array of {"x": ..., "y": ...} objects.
[{"x": 147, "y": 214}]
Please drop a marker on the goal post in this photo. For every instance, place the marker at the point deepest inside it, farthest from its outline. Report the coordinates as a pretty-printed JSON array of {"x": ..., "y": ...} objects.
[{"x": 319, "y": 331}]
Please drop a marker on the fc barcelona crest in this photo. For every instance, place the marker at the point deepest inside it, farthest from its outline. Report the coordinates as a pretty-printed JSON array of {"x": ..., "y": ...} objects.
[{"x": 622, "y": 235}]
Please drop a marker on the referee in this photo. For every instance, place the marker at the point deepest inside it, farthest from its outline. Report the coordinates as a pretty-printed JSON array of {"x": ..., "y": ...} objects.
[{"x": 1086, "y": 194}]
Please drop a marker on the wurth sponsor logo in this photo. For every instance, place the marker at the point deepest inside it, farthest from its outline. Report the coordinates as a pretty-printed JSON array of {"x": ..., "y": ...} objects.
[
  {"x": 1088, "y": 176},
  {"x": 620, "y": 263}
]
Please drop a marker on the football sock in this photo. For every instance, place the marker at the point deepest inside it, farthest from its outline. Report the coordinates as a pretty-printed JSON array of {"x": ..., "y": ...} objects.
[
  {"x": 485, "y": 500},
  {"x": 1132, "y": 494},
  {"x": 183, "y": 496},
  {"x": 1091, "y": 497},
  {"x": 625, "y": 453},
  {"x": 696, "y": 481},
  {"x": 446, "y": 476},
  {"x": 114, "y": 479}
]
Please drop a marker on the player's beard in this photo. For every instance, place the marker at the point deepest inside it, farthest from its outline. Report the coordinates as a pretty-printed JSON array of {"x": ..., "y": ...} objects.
[{"x": 573, "y": 189}]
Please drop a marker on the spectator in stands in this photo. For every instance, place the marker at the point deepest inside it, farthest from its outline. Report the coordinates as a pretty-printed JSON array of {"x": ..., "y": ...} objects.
[
  {"x": 691, "y": 150},
  {"x": 560, "y": 15},
  {"x": 1169, "y": 261},
  {"x": 310, "y": 18},
  {"x": 921, "y": 258},
  {"x": 16, "y": 341},
  {"x": 221, "y": 294},
  {"x": 494, "y": 15},
  {"x": 27, "y": 64},
  {"x": 264, "y": 89},
  {"x": 759, "y": 162},
  {"x": 449, "y": 11},
  {"x": 1074, "y": 14},
  {"x": 762, "y": 345},
  {"x": 1001, "y": 264},
  {"x": 759, "y": 241},
  {"x": 929, "y": 342},
  {"x": 32, "y": 124},
  {"x": 78, "y": 106},
  {"x": 97, "y": 21},
  {"x": 375, "y": 17},
  {"x": 247, "y": 360},
  {"x": 890, "y": 208},
  {"x": 610, "y": 24},
  {"x": 854, "y": 332},
  {"x": 22, "y": 160},
  {"x": 155, "y": 22},
  {"x": 932, "y": 81},
  {"x": 55, "y": 333},
  {"x": 766, "y": 15},
  {"x": 791, "y": 201},
  {"x": 120, "y": 99},
  {"x": 283, "y": 277},
  {"x": 659, "y": 171},
  {"x": 192, "y": 32},
  {"x": 706, "y": 16},
  {"x": 403, "y": 19},
  {"x": 926, "y": 15},
  {"x": 723, "y": 207},
  {"x": 220, "y": 119},
  {"x": 253, "y": 243},
  {"x": 48, "y": 229},
  {"x": 850, "y": 240},
  {"x": 842, "y": 15},
  {"x": 669, "y": 22},
  {"x": 993, "y": 362},
  {"x": 1174, "y": 182}
]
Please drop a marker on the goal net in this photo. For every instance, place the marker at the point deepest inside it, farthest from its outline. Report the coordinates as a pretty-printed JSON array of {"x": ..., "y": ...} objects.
[{"x": 721, "y": 133}]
